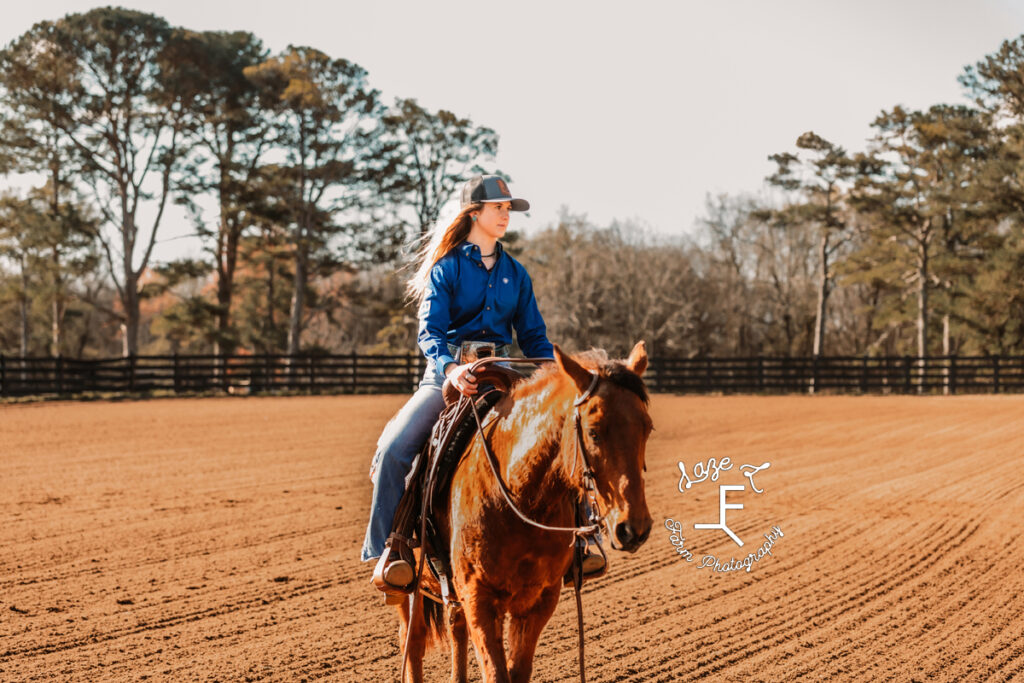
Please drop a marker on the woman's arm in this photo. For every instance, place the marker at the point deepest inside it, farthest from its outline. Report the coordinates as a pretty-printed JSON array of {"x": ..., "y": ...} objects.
[
  {"x": 435, "y": 318},
  {"x": 531, "y": 331}
]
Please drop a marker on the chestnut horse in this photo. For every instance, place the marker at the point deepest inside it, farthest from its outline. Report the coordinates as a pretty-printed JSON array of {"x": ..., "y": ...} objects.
[{"x": 503, "y": 567}]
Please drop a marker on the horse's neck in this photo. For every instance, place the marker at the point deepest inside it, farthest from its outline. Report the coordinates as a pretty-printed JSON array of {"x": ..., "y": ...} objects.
[{"x": 535, "y": 466}]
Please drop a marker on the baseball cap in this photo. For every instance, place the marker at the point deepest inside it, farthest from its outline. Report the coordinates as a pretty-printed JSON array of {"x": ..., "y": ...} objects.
[{"x": 490, "y": 188}]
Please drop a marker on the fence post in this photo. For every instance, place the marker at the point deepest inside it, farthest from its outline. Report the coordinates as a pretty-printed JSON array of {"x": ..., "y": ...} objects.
[
  {"x": 995, "y": 374},
  {"x": 3, "y": 375},
  {"x": 355, "y": 360},
  {"x": 760, "y": 373},
  {"x": 952, "y": 374},
  {"x": 864, "y": 375},
  {"x": 814, "y": 374},
  {"x": 906, "y": 374},
  {"x": 177, "y": 373},
  {"x": 131, "y": 373},
  {"x": 312, "y": 373},
  {"x": 59, "y": 372}
]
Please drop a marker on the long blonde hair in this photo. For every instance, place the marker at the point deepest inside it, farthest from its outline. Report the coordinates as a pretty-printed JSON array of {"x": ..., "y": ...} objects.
[{"x": 439, "y": 244}]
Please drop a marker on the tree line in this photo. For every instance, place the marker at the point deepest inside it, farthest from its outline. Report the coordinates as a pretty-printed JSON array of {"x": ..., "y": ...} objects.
[
  {"x": 290, "y": 166},
  {"x": 304, "y": 186}
]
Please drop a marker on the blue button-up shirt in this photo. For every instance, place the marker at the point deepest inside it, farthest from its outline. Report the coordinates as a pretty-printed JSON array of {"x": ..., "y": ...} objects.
[{"x": 467, "y": 302}]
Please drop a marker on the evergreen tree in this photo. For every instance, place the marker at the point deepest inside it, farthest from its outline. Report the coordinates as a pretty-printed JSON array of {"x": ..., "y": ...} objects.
[
  {"x": 38, "y": 90},
  {"x": 124, "y": 118},
  {"x": 232, "y": 134},
  {"x": 917, "y": 193},
  {"x": 819, "y": 182},
  {"x": 429, "y": 156},
  {"x": 327, "y": 125}
]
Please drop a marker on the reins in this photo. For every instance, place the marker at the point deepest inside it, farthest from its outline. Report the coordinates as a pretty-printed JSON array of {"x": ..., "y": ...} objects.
[{"x": 577, "y": 531}]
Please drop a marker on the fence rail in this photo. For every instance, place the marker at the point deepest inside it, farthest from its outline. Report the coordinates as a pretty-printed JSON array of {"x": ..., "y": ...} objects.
[{"x": 357, "y": 373}]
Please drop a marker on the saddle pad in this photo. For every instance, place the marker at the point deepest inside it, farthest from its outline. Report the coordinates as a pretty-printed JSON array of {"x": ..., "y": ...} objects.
[
  {"x": 454, "y": 431},
  {"x": 451, "y": 445}
]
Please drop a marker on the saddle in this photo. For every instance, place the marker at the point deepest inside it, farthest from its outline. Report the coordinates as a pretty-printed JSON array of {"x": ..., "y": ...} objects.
[{"x": 428, "y": 484}]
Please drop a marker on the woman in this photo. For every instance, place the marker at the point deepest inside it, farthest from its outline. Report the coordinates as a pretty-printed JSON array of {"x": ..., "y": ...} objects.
[{"x": 469, "y": 290}]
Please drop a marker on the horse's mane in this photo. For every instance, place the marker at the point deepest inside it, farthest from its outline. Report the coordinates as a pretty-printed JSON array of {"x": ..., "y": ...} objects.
[{"x": 595, "y": 360}]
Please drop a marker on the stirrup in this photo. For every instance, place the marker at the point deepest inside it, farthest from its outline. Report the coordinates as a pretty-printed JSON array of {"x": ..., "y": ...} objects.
[
  {"x": 594, "y": 565},
  {"x": 594, "y": 562},
  {"x": 394, "y": 573}
]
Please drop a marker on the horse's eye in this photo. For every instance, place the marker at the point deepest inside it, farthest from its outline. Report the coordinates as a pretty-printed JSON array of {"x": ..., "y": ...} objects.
[{"x": 594, "y": 436}]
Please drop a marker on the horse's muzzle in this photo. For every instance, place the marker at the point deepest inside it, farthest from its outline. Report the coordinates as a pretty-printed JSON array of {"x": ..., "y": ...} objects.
[{"x": 630, "y": 539}]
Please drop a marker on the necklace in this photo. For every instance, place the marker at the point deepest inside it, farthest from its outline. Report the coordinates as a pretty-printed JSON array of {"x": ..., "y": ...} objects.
[{"x": 488, "y": 255}]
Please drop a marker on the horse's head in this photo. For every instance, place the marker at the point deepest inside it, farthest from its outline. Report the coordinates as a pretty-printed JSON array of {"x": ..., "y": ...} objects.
[{"x": 615, "y": 426}]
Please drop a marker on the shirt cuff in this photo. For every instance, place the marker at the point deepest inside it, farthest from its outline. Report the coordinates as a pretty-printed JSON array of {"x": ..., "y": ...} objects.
[{"x": 442, "y": 361}]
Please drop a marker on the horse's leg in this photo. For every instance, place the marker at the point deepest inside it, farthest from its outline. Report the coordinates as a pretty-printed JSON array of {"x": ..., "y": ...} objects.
[
  {"x": 460, "y": 644},
  {"x": 414, "y": 622},
  {"x": 486, "y": 625},
  {"x": 524, "y": 632}
]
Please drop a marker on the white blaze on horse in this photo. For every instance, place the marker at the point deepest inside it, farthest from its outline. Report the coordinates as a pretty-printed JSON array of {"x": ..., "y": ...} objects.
[{"x": 504, "y": 568}]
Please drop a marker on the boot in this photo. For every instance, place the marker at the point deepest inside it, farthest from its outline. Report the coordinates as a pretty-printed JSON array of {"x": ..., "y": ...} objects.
[{"x": 593, "y": 559}]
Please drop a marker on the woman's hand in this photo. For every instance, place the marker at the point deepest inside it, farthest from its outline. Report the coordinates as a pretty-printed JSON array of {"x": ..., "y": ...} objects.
[{"x": 461, "y": 378}]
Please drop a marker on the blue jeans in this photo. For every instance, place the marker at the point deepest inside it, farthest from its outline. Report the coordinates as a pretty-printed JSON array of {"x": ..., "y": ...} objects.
[{"x": 397, "y": 447}]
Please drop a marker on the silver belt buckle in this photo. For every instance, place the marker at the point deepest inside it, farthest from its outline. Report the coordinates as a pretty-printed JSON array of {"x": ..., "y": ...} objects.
[{"x": 470, "y": 352}]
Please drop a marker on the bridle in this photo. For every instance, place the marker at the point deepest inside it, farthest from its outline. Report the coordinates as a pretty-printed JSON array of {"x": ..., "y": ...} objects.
[{"x": 589, "y": 481}]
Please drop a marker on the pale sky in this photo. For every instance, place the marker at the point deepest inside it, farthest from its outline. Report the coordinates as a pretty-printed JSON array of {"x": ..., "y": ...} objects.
[{"x": 623, "y": 110}]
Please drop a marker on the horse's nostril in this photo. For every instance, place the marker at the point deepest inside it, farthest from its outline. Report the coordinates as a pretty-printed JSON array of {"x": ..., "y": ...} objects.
[{"x": 624, "y": 532}]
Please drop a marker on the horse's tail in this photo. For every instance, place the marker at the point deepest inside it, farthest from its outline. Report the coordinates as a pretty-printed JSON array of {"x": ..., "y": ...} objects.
[{"x": 433, "y": 617}]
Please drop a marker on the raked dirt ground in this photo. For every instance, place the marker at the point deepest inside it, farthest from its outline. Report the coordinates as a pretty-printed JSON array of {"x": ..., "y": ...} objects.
[{"x": 218, "y": 539}]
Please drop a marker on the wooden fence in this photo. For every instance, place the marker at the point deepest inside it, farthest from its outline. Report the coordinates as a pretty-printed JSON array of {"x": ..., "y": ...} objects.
[
  {"x": 839, "y": 374},
  {"x": 354, "y": 373},
  {"x": 182, "y": 374}
]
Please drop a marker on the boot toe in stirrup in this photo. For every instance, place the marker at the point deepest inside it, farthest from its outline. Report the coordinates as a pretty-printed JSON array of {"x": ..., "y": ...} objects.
[
  {"x": 398, "y": 573},
  {"x": 393, "y": 575},
  {"x": 593, "y": 565}
]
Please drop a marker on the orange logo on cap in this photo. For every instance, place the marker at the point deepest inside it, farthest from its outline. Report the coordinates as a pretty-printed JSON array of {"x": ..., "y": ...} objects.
[{"x": 503, "y": 187}]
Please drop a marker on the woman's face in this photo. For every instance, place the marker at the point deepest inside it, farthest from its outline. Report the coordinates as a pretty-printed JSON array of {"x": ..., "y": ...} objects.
[{"x": 493, "y": 219}]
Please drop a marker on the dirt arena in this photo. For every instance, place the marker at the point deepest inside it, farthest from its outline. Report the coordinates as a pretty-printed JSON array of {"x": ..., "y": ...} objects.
[{"x": 218, "y": 539}]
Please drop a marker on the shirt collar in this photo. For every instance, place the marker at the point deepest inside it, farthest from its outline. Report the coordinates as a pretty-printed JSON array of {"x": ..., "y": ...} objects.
[{"x": 471, "y": 251}]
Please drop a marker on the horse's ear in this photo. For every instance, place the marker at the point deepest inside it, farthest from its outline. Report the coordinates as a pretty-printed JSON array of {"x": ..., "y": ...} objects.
[
  {"x": 637, "y": 361},
  {"x": 576, "y": 372}
]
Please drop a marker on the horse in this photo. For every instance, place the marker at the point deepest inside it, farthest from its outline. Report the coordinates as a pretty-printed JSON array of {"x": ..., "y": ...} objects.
[{"x": 503, "y": 568}]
